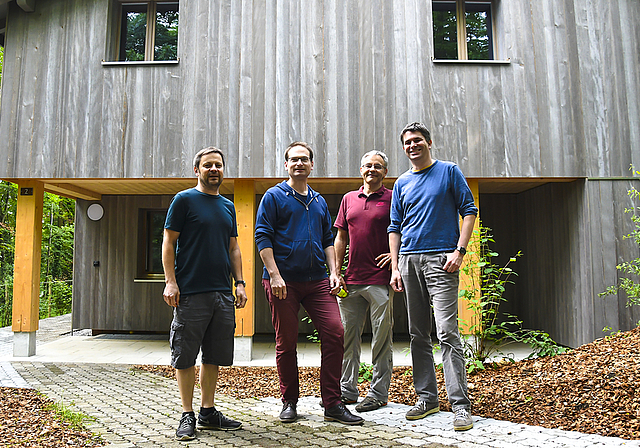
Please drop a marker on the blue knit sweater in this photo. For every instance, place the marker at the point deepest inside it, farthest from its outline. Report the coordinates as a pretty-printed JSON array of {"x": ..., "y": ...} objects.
[{"x": 425, "y": 207}]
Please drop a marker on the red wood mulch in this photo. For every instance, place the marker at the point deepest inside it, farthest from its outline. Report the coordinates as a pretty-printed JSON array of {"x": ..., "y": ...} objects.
[{"x": 28, "y": 421}]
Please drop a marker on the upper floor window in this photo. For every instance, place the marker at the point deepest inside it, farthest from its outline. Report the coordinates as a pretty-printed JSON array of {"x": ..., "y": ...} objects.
[
  {"x": 462, "y": 30},
  {"x": 148, "y": 31}
]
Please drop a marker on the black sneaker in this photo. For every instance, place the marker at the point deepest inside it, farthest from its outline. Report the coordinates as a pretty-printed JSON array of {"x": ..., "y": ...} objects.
[
  {"x": 187, "y": 427},
  {"x": 422, "y": 409},
  {"x": 217, "y": 421},
  {"x": 370, "y": 404}
]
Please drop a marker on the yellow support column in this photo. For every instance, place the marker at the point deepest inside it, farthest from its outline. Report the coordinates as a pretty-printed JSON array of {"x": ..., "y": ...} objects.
[
  {"x": 244, "y": 198},
  {"x": 466, "y": 316},
  {"x": 26, "y": 273}
]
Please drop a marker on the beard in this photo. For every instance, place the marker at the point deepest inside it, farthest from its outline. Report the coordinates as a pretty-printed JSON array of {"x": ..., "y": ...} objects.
[{"x": 211, "y": 182}]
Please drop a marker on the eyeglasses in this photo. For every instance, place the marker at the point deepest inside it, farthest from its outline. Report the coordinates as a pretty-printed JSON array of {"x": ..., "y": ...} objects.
[
  {"x": 375, "y": 166},
  {"x": 299, "y": 159}
]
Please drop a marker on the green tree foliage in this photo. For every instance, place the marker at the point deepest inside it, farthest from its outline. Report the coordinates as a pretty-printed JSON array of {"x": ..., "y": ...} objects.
[
  {"x": 477, "y": 35},
  {"x": 166, "y": 34},
  {"x": 1, "y": 62},
  {"x": 166, "y": 41},
  {"x": 8, "y": 195},
  {"x": 136, "y": 35},
  {"x": 57, "y": 253},
  {"x": 630, "y": 284},
  {"x": 445, "y": 34}
]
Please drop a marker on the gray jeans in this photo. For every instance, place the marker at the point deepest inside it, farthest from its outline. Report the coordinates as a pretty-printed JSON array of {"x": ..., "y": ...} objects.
[
  {"x": 427, "y": 285},
  {"x": 353, "y": 311}
]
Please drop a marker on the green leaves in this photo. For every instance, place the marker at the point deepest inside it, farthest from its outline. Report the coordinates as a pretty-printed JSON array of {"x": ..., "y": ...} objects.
[
  {"x": 493, "y": 328},
  {"x": 57, "y": 252},
  {"x": 630, "y": 284},
  {"x": 365, "y": 372}
]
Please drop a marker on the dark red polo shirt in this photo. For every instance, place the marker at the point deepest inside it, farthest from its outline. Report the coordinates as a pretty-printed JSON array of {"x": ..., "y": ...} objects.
[{"x": 366, "y": 220}]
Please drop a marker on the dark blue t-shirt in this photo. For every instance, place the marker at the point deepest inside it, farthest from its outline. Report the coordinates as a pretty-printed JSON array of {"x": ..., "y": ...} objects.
[{"x": 206, "y": 224}]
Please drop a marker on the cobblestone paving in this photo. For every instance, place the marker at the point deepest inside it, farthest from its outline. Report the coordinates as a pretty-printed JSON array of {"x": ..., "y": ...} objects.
[{"x": 139, "y": 409}]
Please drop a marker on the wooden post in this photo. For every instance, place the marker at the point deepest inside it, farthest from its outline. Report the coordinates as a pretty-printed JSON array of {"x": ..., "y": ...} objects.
[
  {"x": 466, "y": 316},
  {"x": 462, "y": 30},
  {"x": 26, "y": 277},
  {"x": 245, "y": 202}
]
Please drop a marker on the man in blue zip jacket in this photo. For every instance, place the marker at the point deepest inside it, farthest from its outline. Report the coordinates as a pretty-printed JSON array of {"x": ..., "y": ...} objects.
[{"x": 293, "y": 235}]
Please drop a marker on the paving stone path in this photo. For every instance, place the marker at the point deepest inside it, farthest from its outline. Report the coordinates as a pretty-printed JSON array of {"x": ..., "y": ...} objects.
[{"x": 140, "y": 409}]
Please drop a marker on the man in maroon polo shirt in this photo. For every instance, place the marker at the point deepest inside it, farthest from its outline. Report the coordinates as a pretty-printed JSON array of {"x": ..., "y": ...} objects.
[{"x": 362, "y": 223}]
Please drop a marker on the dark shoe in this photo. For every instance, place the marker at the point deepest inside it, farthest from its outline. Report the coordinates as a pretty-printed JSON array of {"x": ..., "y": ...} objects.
[
  {"x": 422, "y": 409},
  {"x": 343, "y": 400},
  {"x": 370, "y": 404},
  {"x": 289, "y": 413},
  {"x": 462, "y": 420},
  {"x": 217, "y": 421},
  {"x": 340, "y": 413},
  {"x": 187, "y": 427}
]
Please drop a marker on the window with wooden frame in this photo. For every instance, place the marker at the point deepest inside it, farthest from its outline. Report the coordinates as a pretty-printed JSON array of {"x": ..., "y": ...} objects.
[
  {"x": 150, "y": 233},
  {"x": 148, "y": 31},
  {"x": 463, "y": 30}
]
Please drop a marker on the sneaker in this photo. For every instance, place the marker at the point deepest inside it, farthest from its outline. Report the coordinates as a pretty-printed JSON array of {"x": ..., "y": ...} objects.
[
  {"x": 343, "y": 400},
  {"x": 340, "y": 413},
  {"x": 462, "y": 420},
  {"x": 288, "y": 413},
  {"x": 421, "y": 410},
  {"x": 370, "y": 404},
  {"x": 215, "y": 420},
  {"x": 187, "y": 427}
]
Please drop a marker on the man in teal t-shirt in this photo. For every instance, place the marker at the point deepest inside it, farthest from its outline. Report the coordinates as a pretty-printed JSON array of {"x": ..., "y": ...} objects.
[
  {"x": 199, "y": 253},
  {"x": 427, "y": 248}
]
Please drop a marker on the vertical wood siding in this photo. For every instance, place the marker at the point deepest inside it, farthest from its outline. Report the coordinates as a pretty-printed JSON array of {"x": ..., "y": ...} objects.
[
  {"x": 570, "y": 235},
  {"x": 345, "y": 76},
  {"x": 106, "y": 297},
  {"x": 342, "y": 75}
]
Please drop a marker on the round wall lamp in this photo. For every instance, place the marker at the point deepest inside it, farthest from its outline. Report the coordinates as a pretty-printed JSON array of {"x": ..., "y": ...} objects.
[{"x": 95, "y": 212}]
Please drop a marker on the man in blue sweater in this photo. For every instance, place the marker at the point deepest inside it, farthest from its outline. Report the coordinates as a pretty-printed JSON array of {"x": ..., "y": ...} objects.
[
  {"x": 427, "y": 248},
  {"x": 293, "y": 235}
]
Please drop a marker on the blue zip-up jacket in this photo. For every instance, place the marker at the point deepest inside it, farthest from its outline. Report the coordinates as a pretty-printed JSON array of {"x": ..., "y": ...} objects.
[{"x": 298, "y": 228}]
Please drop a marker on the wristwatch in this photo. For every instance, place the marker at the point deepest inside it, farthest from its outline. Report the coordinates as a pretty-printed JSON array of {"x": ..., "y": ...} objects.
[
  {"x": 462, "y": 250},
  {"x": 241, "y": 282}
]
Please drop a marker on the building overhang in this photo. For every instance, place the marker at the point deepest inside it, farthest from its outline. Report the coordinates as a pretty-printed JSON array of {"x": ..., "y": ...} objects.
[
  {"x": 94, "y": 189},
  {"x": 25, "y": 5}
]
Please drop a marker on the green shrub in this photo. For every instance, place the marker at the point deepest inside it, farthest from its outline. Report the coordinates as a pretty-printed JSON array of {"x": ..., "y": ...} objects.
[
  {"x": 491, "y": 328},
  {"x": 630, "y": 284}
]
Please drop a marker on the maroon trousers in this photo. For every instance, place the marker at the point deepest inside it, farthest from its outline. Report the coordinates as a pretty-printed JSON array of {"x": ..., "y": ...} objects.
[{"x": 323, "y": 310}]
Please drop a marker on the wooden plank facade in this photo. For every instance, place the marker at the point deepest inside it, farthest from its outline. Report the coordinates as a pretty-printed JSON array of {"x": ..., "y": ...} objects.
[{"x": 547, "y": 131}]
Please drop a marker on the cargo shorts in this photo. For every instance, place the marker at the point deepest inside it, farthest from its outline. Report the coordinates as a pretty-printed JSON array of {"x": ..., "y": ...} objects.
[{"x": 203, "y": 321}]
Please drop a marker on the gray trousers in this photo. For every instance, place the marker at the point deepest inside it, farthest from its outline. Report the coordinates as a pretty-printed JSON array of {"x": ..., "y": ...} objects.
[
  {"x": 427, "y": 285},
  {"x": 378, "y": 299}
]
